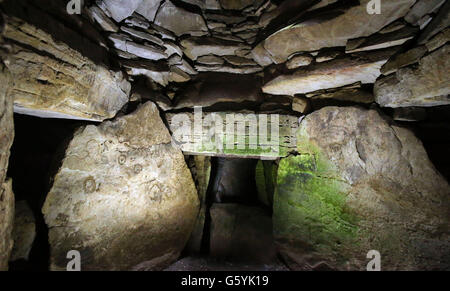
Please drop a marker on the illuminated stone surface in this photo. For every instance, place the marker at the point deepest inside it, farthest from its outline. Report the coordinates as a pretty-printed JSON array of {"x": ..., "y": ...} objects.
[
  {"x": 6, "y": 194},
  {"x": 123, "y": 197},
  {"x": 360, "y": 184},
  {"x": 53, "y": 80},
  {"x": 425, "y": 84}
]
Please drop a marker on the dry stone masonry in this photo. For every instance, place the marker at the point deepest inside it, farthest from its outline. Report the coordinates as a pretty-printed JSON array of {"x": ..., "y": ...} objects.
[{"x": 278, "y": 134}]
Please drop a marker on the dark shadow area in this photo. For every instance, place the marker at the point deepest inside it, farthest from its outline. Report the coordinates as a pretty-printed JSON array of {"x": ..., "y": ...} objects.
[{"x": 36, "y": 154}]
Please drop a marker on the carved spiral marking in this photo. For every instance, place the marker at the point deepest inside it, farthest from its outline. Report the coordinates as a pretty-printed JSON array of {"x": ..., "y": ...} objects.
[
  {"x": 122, "y": 159},
  {"x": 89, "y": 185},
  {"x": 137, "y": 168}
]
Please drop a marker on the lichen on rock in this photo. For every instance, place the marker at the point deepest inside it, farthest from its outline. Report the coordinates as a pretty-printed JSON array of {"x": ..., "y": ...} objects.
[{"x": 359, "y": 183}]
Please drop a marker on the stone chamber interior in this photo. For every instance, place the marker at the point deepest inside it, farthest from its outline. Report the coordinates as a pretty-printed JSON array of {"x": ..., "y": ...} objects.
[{"x": 91, "y": 157}]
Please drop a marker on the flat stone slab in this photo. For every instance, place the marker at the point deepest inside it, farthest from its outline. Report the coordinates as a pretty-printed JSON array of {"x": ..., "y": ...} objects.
[
  {"x": 358, "y": 67},
  {"x": 425, "y": 84},
  {"x": 222, "y": 134},
  {"x": 51, "y": 80}
]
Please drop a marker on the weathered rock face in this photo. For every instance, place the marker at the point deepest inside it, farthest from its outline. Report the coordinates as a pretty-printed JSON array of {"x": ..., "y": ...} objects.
[
  {"x": 238, "y": 135},
  {"x": 360, "y": 184},
  {"x": 422, "y": 8},
  {"x": 235, "y": 4},
  {"x": 195, "y": 47},
  {"x": 123, "y": 197},
  {"x": 334, "y": 32},
  {"x": 6, "y": 194},
  {"x": 148, "y": 9},
  {"x": 201, "y": 170},
  {"x": 358, "y": 67},
  {"x": 266, "y": 179},
  {"x": 121, "y": 9},
  {"x": 52, "y": 80},
  {"x": 6, "y": 223},
  {"x": 427, "y": 84},
  {"x": 180, "y": 21},
  {"x": 210, "y": 89},
  {"x": 241, "y": 233},
  {"x": 24, "y": 231}
]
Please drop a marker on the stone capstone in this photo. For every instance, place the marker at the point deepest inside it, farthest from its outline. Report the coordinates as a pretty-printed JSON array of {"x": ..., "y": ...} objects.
[
  {"x": 354, "y": 23},
  {"x": 55, "y": 81},
  {"x": 425, "y": 84}
]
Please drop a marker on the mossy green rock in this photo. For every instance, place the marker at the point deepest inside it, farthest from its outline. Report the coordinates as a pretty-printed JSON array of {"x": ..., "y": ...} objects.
[{"x": 359, "y": 183}]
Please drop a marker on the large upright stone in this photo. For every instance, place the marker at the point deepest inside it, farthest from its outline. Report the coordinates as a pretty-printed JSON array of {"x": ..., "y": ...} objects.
[
  {"x": 425, "y": 84},
  {"x": 123, "y": 197},
  {"x": 359, "y": 184},
  {"x": 179, "y": 20},
  {"x": 53, "y": 80},
  {"x": 354, "y": 23},
  {"x": 6, "y": 194}
]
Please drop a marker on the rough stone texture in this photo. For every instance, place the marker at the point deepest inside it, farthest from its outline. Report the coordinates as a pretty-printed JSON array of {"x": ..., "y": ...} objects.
[
  {"x": 6, "y": 223},
  {"x": 121, "y": 183},
  {"x": 102, "y": 19},
  {"x": 422, "y": 8},
  {"x": 147, "y": 51},
  {"x": 52, "y": 80},
  {"x": 235, "y": 4},
  {"x": 335, "y": 32},
  {"x": 427, "y": 84},
  {"x": 360, "y": 184},
  {"x": 148, "y": 9},
  {"x": 358, "y": 67},
  {"x": 352, "y": 93},
  {"x": 234, "y": 134},
  {"x": 179, "y": 20},
  {"x": 213, "y": 88},
  {"x": 6, "y": 194},
  {"x": 300, "y": 104},
  {"x": 241, "y": 234},
  {"x": 121, "y": 9},
  {"x": 201, "y": 172},
  {"x": 195, "y": 47},
  {"x": 409, "y": 114},
  {"x": 403, "y": 59},
  {"x": 437, "y": 24},
  {"x": 266, "y": 179},
  {"x": 381, "y": 40},
  {"x": 24, "y": 231},
  {"x": 299, "y": 60},
  {"x": 439, "y": 40}
]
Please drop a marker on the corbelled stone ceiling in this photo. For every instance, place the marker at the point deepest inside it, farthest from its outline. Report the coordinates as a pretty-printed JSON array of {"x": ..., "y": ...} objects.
[{"x": 357, "y": 93}]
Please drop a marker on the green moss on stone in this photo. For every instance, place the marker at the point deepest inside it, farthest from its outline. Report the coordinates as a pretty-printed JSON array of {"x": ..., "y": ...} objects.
[{"x": 310, "y": 206}]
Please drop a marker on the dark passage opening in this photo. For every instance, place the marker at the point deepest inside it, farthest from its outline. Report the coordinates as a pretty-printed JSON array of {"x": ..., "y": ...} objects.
[{"x": 36, "y": 154}]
